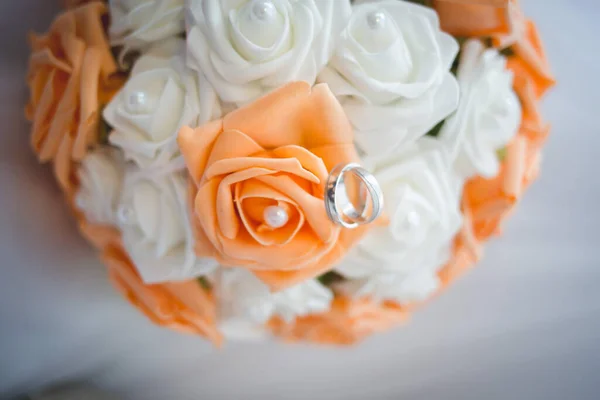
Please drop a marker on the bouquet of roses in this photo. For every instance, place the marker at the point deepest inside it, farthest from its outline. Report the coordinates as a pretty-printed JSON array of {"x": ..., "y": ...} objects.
[{"x": 309, "y": 169}]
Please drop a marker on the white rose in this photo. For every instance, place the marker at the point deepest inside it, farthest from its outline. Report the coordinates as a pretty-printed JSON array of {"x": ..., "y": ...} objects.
[
  {"x": 422, "y": 204},
  {"x": 100, "y": 178},
  {"x": 248, "y": 47},
  {"x": 246, "y": 303},
  {"x": 155, "y": 225},
  {"x": 489, "y": 113},
  {"x": 392, "y": 70},
  {"x": 405, "y": 288},
  {"x": 136, "y": 24},
  {"x": 160, "y": 96}
]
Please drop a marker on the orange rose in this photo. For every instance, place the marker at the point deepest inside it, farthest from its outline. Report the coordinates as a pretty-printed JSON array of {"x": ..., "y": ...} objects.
[
  {"x": 99, "y": 236},
  {"x": 505, "y": 23},
  {"x": 68, "y": 78},
  {"x": 490, "y": 201},
  {"x": 474, "y": 17},
  {"x": 276, "y": 152},
  {"x": 347, "y": 322},
  {"x": 532, "y": 124},
  {"x": 530, "y": 58},
  {"x": 182, "y": 306}
]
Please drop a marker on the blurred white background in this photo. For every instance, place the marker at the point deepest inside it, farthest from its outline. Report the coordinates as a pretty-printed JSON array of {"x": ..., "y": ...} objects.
[{"x": 525, "y": 324}]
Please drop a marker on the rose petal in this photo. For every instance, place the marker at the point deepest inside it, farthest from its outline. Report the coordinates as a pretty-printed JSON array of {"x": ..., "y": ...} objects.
[
  {"x": 293, "y": 115},
  {"x": 195, "y": 145},
  {"x": 282, "y": 165}
]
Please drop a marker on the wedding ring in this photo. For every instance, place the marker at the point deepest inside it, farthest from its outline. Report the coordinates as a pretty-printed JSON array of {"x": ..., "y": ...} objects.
[{"x": 351, "y": 210}]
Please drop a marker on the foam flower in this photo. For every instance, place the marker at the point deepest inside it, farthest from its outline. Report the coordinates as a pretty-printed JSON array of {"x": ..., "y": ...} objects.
[
  {"x": 138, "y": 24},
  {"x": 246, "y": 303},
  {"x": 160, "y": 97},
  {"x": 182, "y": 306},
  {"x": 155, "y": 223},
  {"x": 525, "y": 42},
  {"x": 489, "y": 113},
  {"x": 473, "y": 18},
  {"x": 69, "y": 78},
  {"x": 400, "y": 261},
  {"x": 347, "y": 322},
  {"x": 249, "y": 47},
  {"x": 392, "y": 68},
  {"x": 504, "y": 22},
  {"x": 259, "y": 176},
  {"x": 100, "y": 184},
  {"x": 490, "y": 201}
]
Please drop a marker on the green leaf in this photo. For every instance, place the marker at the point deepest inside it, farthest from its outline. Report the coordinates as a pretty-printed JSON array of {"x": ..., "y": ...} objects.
[
  {"x": 508, "y": 52},
  {"x": 435, "y": 131},
  {"x": 330, "y": 278},
  {"x": 501, "y": 154},
  {"x": 206, "y": 285},
  {"x": 103, "y": 130}
]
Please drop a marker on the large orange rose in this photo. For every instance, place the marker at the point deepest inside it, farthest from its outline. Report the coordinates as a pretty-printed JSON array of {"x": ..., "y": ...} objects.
[
  {"x": 277, "y": 151},
  {"x": 181, "y": 306},
  {"x": 69, "y": 78}
]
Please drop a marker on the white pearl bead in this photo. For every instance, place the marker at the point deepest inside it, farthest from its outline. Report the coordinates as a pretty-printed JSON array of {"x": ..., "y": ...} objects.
[
  {"x": 275, "y": 216},
  {"x": 137, "y": 102},
  {"x": 125, "y": 214},
  {"x": 413, "y": 220},
  {"x": 263, "y": 10},
  {"x": 376, "y": 20}
]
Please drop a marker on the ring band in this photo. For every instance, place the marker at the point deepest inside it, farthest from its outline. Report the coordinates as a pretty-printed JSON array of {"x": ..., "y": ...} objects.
[{"x": 346, "y": 214}]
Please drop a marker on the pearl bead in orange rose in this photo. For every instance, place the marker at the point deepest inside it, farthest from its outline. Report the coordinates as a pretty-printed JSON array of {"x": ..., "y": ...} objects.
[{"x": 259, "y": 176}]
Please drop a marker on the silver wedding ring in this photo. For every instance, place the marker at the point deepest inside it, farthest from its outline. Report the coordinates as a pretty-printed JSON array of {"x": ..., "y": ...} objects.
[{"x": 352, "y": 208}]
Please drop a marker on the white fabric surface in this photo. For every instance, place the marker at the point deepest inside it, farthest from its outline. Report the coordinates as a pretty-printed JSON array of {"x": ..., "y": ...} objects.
[{"x": 524, "y": 325}]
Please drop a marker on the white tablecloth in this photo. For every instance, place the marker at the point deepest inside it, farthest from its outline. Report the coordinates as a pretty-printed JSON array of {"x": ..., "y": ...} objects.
[{"x": 524, "y": 325}]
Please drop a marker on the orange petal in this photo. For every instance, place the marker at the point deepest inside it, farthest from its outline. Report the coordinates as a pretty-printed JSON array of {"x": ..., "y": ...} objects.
[
  {"x": 515, "y": 168},
  {"x": 232, "y": 144},
  {"x": 474, "y": 18},
  {"x": 196, "y": 144},
  {"x": 293, "y": 115},
  {"x": 183, "y": 306},
  {"x": 347, "y": 322},
  {"x": 281, "y": 165}
]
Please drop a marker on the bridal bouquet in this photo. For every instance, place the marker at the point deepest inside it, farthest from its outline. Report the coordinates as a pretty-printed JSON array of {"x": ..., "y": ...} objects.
[{"x": 308, "y": 169}]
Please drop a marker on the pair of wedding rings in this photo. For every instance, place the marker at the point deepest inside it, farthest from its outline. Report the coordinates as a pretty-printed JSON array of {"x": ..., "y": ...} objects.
[{"x": 353, "y": 196}]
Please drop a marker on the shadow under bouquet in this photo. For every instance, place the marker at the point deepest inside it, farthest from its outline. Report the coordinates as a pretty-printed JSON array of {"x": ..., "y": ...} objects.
[{"x": 313, "y": 170}]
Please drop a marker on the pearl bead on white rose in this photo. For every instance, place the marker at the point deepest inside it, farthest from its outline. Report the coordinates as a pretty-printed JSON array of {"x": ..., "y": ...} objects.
[
  {"x": 376, "y": 20},
  {"x": 263, "y": 10},
  {"x": 137, "y": 102},
  {"x": 275, "y": 216},
  {"x": 125, "y": 214},
  {"x": 413, "y": 220}
]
